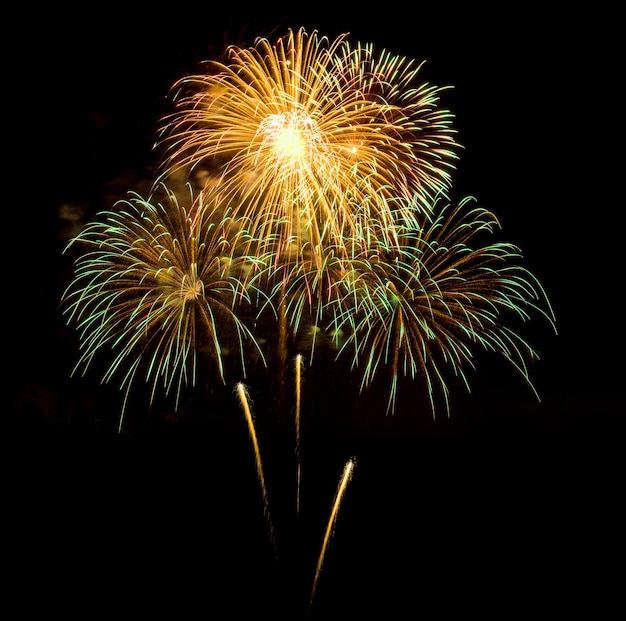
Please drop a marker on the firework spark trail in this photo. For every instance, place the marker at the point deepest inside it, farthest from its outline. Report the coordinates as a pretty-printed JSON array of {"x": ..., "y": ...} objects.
[
  {"x": 298, "y": 365},
  {"x": 343, "y": 483},
  {"x": 242, "y": 393}
]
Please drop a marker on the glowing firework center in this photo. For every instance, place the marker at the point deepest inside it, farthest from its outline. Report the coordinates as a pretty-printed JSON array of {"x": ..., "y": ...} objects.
[
  {"x": 293, "y": 138},
  {"x": 301, "y": 159},
  {"x": 290, "y": 143}
]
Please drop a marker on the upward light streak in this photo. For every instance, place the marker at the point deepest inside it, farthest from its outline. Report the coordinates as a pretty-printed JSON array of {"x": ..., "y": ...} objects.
[
  {"x": 341, "y": 489},
  {"x": 242, "y": 393},
  {"x": 298, "y": 364}
]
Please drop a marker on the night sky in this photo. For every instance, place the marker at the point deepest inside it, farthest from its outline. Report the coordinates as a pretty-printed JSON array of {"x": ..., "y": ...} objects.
[{"x": 508, "y": 506}]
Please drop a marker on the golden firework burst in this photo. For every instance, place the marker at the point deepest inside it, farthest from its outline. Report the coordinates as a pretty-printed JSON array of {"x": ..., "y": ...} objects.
[{"x": 316, "y": 142}]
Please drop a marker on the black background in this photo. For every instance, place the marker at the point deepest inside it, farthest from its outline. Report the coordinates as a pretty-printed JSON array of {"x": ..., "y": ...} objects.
[{"x": 508, "y": 506}]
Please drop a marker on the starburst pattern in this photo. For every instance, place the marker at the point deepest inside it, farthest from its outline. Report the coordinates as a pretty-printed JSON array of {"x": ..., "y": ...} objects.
[
  {"x": 315, "y": 141},
  {"x": 155, "y": 284},
  {"x": 422, "y": 312}
]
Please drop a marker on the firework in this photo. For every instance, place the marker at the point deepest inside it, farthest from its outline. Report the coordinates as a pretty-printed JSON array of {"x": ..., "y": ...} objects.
[
  {"x": 154, "y": 283},
  {"x": 300, "y": 294},
  {"x": 426, "y": 308},
  {"x": 315, "y": 141}
]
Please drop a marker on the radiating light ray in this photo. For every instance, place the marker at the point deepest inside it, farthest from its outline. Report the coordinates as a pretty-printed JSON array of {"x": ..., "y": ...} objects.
[
  {"x": 242, "y": 394},
  {"x": 341, "y": 489}
]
